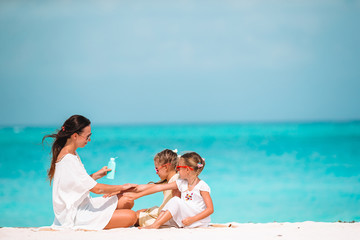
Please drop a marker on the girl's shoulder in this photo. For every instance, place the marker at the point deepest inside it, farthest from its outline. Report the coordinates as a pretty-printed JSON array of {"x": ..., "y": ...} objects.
[
  {"x": 174, "y": 178},
  {"x": 181, "y": 181},
  {"x": 203, "y": 186},
  {"x": 202, "y": 182},
  {"x": 182, "y": 184}
]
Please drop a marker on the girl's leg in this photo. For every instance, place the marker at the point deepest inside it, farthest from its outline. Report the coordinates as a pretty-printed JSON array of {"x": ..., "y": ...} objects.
[
  {"x": 124, "y": 202},
  {"x": 163, "y": 217},
  {"x": 121, "y": 218}
]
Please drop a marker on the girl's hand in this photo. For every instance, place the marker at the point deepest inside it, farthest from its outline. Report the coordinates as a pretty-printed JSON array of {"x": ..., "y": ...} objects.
[{"x": 188, "y": 221}]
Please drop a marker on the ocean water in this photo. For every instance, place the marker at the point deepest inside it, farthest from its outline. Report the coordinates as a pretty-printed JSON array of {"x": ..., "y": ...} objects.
[{"x": 284, "y": 172}]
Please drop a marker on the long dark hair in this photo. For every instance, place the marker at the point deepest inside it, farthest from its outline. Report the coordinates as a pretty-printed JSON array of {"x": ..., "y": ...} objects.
[{"x": 74, "y": 124}]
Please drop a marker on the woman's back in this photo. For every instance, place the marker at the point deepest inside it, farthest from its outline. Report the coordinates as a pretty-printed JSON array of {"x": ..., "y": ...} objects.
[{"x": 71, "y": 185}]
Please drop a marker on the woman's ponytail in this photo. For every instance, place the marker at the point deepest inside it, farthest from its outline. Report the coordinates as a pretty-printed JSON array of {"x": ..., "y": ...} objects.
[{"x": 75, "y": 124}]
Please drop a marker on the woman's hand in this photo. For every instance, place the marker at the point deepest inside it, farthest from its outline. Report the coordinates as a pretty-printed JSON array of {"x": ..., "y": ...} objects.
[
  {"x": 131, "y": 195},
  {"x": 188, "y": 221},
  {"x": 101, "y": 173},
  {"x": 128, "y": 186},
  {"x": 111, "y": 194},
  {"x": 125, "y": 187}
]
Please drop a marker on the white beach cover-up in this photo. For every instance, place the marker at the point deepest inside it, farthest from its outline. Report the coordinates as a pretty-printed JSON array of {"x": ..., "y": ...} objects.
[
  {"x": 72, "y": 204},
  {"x": 190, "y": 204}
]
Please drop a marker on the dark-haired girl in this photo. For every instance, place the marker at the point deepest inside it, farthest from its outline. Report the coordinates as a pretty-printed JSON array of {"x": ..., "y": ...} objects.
[{"x": 72, "y": 204}]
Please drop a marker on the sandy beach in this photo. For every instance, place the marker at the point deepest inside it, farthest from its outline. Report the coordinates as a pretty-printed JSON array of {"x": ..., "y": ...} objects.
[{"x": 254, "y": 231}]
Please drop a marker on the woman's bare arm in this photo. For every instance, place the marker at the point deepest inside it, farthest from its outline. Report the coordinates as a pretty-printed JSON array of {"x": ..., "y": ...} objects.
[
  {"x": 101, "y": 173},
  {"x": 106, "y": 189}
]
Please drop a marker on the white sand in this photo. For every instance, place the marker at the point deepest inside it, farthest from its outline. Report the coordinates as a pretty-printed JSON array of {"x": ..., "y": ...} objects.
[{"x": 280, "y": 231}]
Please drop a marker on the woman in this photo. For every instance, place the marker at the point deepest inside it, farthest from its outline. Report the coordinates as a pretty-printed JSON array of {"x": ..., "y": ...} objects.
[{"x": 72, "y": 204}]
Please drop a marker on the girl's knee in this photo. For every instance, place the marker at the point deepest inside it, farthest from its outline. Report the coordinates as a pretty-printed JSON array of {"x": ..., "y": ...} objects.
[{"x": 174, "y": 204}]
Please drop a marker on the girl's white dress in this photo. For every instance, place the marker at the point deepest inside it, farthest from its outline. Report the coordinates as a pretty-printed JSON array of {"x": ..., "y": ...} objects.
[
  {"x": 72, "y": 204},
  {"x": 190, "y": 204}
]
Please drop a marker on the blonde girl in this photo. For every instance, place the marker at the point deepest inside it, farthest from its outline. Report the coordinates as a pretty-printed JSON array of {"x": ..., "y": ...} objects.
[
  {"x": 194, "y": 207},
  {"x": 165, "y": 167}
]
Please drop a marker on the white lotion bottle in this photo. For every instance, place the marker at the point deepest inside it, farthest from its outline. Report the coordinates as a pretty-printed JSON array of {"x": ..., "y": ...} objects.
[{"x": 112, "y": 166}]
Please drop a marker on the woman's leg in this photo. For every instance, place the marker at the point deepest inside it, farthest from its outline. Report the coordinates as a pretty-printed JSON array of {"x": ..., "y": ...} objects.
[
  {"x": 122, "y": 218},
  {"x": 124, "y": 202}
]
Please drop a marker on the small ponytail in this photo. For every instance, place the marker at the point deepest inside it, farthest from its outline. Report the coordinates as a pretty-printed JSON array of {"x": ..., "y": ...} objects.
[{"x": 195, "y": 161}]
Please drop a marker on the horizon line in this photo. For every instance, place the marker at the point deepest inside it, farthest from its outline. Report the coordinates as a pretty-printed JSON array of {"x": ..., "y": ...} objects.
[{"x": 193, "y": 123}]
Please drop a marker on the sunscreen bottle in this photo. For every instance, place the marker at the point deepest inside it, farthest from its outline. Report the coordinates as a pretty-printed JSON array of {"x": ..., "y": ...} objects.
[{"x": 111, "y": 165}]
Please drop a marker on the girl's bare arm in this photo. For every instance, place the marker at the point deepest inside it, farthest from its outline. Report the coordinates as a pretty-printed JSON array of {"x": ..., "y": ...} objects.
[
  {"x": 136, "y": 189},
  {"x": 153, "y": 189},
  {"x": 142, "y": 187}
]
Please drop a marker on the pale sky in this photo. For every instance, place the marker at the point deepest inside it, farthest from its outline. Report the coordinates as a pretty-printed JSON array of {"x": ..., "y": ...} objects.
[{"x": 121, "y": 62}]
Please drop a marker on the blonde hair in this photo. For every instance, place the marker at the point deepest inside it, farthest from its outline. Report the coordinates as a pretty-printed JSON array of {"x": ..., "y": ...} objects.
[
  {"x": 164, "y": 157},
  {"x": 167, "y": 156},
  {"x": 195, "y": 161}
]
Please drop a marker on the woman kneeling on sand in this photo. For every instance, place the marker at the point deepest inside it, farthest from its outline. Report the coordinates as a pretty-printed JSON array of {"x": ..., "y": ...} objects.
[{"x": 72, "y": 204}]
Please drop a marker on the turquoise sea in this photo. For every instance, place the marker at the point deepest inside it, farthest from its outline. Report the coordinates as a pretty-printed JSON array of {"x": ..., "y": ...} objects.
[{"x": 258, "y": 172}]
